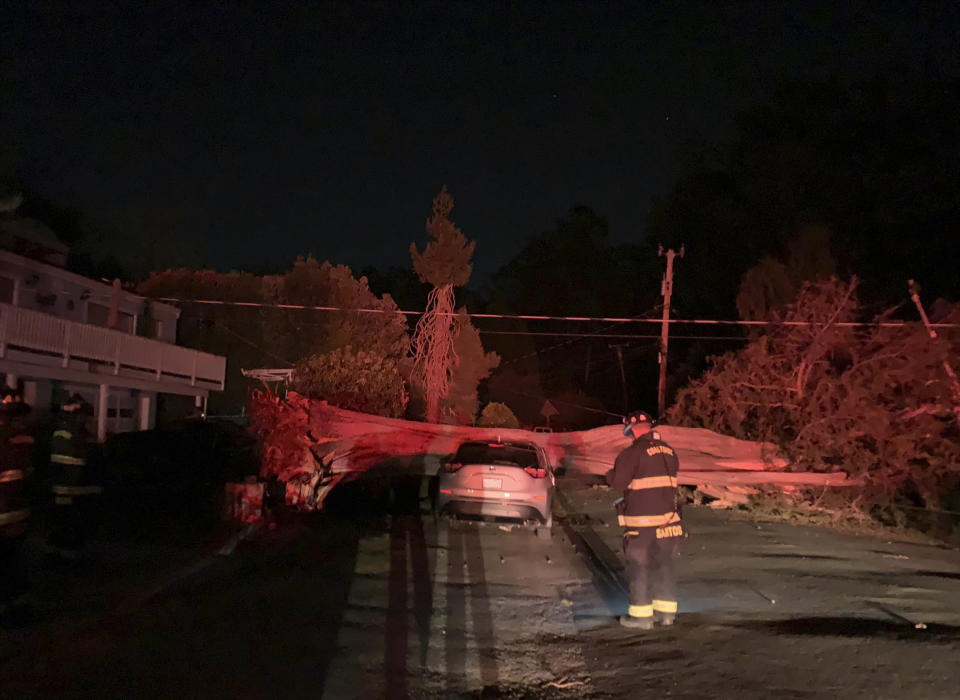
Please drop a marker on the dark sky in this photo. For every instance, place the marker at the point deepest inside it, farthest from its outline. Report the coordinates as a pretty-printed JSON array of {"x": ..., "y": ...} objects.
[{"x": 244, "y": 134}]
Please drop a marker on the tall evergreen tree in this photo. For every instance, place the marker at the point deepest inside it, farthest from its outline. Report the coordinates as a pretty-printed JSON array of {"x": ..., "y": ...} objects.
[{"x": 444, "y": 264}]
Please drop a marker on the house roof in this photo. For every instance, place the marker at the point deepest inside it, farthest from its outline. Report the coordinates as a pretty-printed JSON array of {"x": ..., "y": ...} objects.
[
  {"x": 97, "y": 287},
  {"x": 31, "y": 230}
]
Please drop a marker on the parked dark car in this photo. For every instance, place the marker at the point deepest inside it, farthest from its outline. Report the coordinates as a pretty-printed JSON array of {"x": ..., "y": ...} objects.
[{"x": 169, "y": 481}]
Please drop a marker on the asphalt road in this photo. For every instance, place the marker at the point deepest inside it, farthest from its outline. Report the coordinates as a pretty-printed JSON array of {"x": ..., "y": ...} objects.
[{"x": 375, "y": 599}]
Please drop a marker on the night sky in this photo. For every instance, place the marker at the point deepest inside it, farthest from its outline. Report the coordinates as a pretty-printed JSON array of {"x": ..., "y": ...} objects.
[{"x": 244, "y": 134}]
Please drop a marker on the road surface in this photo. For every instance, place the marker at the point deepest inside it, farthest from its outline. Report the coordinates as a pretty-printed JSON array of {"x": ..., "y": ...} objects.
[{"x": 375, "y": 599}]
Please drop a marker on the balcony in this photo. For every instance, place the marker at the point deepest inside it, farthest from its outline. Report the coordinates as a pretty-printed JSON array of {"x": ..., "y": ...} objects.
[{"x": 42, "y": 345}]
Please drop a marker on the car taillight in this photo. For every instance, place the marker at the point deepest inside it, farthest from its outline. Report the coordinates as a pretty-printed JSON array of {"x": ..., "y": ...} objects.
[
  {"x": 536, "y": 472},
  {"x": 451, "y": 467}
]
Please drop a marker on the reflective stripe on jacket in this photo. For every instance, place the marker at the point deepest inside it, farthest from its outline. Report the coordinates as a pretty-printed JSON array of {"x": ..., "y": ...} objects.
[
  {"x": 13, "y": 498},
  {"x": 66, "y": 490},
  {"x": 69, "y": 441},
  {"x": 68, "y": 457},
  {"x": 646, "y": 473},
  {"x": 14, "y": 516},
  {"x": 16, "y": 445}
]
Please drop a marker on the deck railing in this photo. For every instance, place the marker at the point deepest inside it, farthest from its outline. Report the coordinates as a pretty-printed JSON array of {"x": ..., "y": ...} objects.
[{"x": 38, "y": 332}]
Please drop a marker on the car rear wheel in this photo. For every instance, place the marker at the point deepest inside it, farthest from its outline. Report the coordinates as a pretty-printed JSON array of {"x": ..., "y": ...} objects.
[{"x": 545, "y": 530}]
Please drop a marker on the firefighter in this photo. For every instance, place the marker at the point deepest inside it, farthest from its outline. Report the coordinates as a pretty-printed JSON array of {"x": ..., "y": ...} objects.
[
  {"x": 646, "y": 473},
  {"x": 16, "y": 467},
  {"x": 73, "y": 483}
]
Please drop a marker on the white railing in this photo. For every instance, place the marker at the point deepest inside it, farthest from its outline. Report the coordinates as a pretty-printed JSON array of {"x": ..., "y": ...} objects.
[{"x": 25, "y": 329}]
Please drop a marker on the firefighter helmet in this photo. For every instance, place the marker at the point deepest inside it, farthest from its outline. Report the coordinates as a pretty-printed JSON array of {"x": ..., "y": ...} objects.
[{"x": 636, "y": 418}]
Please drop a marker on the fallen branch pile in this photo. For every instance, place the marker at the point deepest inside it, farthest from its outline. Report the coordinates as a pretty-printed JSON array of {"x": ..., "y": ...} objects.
[
  {"x": 837, "y": 389},
  {"x": 310, "y": 445}
]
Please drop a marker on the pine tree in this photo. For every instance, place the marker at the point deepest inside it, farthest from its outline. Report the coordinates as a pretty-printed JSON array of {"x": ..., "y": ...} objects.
[
  {"x": 473, "y": 366},
  {"x": 444, "y": 264}
]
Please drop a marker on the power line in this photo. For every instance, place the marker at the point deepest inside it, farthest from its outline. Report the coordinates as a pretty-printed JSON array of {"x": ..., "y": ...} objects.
[
  {"x": 254, "y": 345},
  {"x": 565, "y": 343},
  {"x": 567, "y": 403},
  {"x": 538, "y": 317},
  {"x": 615, "y": 335}
]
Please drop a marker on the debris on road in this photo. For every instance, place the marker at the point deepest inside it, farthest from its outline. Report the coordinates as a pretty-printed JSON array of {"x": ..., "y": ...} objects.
[
  {"x": 244, "y": 501},
  {"x": 564, "y": 683}
]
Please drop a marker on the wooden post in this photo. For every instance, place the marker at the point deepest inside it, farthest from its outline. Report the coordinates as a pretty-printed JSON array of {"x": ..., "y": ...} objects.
[
  {"x": 4, "y": 329},
  {"x": 65, "y": 362},
  {"x": 666, "y": 288},
  {"x": 102, "y": 400},
  {"x": 145, "y": 411}
]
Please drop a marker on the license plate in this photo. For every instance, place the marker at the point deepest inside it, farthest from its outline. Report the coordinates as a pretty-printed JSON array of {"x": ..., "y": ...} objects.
[{"x": 492, "y": 483}]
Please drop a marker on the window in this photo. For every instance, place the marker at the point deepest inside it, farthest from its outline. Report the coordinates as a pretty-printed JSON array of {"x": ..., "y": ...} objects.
[
  {"x": 492, "y": 453},
  {"x": 99, "y": 315},
  {"x": 6, "y": 290}
]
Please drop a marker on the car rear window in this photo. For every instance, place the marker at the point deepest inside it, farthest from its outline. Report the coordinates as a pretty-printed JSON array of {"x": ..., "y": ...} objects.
[{"x": 482, "y": 453}]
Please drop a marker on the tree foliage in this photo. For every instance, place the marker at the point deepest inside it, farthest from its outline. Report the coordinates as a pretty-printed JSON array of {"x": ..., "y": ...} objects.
[
  {"x": 446, "y": 259},
  {"x": 252, "y": 337},
  {"x": 770, "y": 285},
  {"x": 228, "y": 330},
  {"x": 445, "y": 263},
  {"x": 766, "y": 287},
  {"x": 473, "y": 366},
  {"x": 306, "y": 332},
  {"x": 573, "y": 269},
  {"x": 497, "y": 415},
  {"x": 876, "y": 162},
  {"x": 365, "y": 380},
  {"x": 871, "y": 400}
]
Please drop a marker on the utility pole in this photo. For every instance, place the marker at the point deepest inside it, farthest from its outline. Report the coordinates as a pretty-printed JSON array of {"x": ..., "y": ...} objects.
[
  {"x": 623, "y": 375},
  {"x": 666, "y": 289}
]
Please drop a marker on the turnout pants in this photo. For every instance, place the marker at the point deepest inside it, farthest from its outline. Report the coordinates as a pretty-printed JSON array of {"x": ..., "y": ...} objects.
[
  {"x": 72, "y": 509},
  {"x": 12, "y": 579},
  {"x": 68, "y": 532},
  {"x": 650, "y": 553}
]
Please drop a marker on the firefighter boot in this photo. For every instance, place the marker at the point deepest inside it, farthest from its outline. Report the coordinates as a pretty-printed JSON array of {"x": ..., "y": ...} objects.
[
  {"x": 664, "y": 619},
  {"x": 637, "y": 623}
]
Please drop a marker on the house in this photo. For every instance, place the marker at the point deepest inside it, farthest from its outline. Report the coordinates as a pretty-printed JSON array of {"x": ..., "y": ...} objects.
[{"x": 62, "y": 333}]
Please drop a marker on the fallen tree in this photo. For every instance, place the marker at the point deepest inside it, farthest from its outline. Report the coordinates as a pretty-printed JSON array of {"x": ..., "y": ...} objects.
[
  {"x": 310, "y": 446},
  {"x": 835, "y": 388}
]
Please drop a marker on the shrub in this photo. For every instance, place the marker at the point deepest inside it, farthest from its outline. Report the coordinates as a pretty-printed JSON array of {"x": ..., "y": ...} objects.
[
  {"x": 365, "y": 381},
  {"x": 498, "y": 415}
]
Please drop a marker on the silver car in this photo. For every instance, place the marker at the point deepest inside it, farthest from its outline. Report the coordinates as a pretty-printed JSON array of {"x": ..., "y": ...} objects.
[{"x": 498, "y": 479}]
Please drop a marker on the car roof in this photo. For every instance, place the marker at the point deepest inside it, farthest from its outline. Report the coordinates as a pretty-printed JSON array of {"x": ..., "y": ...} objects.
[{"x": 496, "y": 443}]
